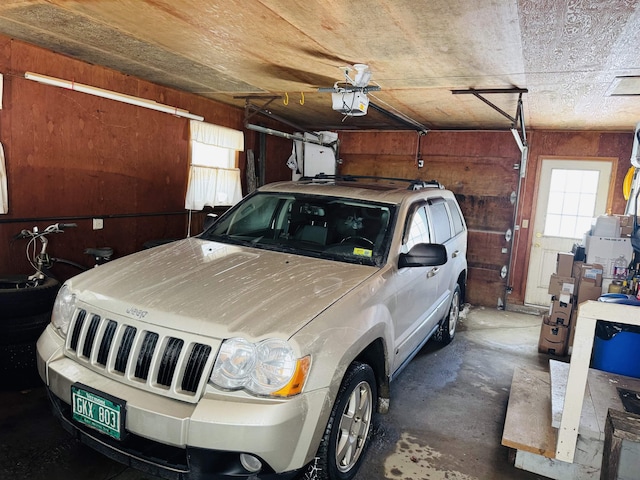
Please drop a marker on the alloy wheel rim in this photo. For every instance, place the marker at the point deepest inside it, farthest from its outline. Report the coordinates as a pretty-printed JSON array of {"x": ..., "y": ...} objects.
[
  {"x": 454, "y": 314},
  {"x": 354, "y": 427}
]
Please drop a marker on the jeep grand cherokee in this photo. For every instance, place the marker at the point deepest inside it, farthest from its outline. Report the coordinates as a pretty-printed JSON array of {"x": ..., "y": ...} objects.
[{"x": 263, "y": 347}]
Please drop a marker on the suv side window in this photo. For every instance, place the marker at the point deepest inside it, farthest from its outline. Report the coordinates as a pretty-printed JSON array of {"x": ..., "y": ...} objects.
[
  {"x": 456, "y": 217},
  {"x": 418, "y": 229},
  {"x": 440, "y": 219}
]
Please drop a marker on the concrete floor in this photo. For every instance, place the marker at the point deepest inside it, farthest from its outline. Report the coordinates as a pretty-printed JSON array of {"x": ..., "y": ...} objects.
[{"x": 447, "y": 413}]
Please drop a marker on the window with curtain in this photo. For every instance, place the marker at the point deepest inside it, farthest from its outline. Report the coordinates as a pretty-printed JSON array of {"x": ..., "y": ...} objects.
[{"x": 214, "y": 179}]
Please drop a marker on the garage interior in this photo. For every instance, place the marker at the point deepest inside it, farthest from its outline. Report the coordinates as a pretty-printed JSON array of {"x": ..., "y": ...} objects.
[{"x": 477, "y": 95}]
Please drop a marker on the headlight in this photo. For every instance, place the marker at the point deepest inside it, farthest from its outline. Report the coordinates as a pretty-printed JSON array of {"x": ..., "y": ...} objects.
[
  {"x": 63, "y": 309},
  {"x": 235, "y": 362},
  {"x": 266, "y": 368}
]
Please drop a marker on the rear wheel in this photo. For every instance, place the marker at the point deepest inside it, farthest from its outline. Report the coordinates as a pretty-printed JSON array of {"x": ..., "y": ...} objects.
[
  {"x": 449, "y": 324},
  {"x": 348, "y": 432}
]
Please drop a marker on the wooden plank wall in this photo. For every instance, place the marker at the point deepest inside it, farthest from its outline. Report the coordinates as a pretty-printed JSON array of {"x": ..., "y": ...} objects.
[
  {"x": 75, "y": 156},
  {"x": 476, "y": 166}
]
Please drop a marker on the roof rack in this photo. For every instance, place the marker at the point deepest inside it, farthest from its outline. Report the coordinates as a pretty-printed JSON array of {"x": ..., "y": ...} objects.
[{"x": 413, "y": 184}]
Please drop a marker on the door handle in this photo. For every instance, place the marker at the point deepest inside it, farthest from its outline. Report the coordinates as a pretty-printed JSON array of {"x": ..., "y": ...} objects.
[
  {"x": 455, "y": 254},
  {"x": 433, "y": 272}
]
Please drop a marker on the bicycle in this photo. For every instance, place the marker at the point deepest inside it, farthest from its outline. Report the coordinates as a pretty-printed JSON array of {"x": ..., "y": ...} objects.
[
  {"x": 27, "y": 300},
  {"x": 42, "y": 261}
]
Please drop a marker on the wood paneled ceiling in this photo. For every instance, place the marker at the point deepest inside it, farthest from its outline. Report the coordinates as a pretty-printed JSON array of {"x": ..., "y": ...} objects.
[{"x": 568, "y": 54}]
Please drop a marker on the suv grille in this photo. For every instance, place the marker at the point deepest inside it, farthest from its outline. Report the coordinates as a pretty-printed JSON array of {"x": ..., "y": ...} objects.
[{"x": 158, "y": 360}]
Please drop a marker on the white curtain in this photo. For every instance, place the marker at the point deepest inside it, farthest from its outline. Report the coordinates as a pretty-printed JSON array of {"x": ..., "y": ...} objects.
[
  {"x": 4, "y": 198},
  {"x": 216, "y": 135},
  {"x": 213, "y": 178},
  {"x": 212, "y": 186}
]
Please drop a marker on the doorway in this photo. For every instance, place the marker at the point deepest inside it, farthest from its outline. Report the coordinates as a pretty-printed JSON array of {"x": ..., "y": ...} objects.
[{"x": 570, "y": 194}]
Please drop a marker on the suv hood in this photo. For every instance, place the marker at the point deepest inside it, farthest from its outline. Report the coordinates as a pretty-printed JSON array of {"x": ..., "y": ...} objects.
[{"x": 219, "y": 290}]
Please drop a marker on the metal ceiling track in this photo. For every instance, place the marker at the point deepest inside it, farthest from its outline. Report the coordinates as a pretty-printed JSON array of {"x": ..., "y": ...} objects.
[
  {"x": 411, "y": 124},
  {"x": 251, "y": 110},
  {"x": 517, "y": 122}
]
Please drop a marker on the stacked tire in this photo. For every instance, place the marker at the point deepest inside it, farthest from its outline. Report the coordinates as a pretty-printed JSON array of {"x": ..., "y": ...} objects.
[{"x": 24, "y": 314}]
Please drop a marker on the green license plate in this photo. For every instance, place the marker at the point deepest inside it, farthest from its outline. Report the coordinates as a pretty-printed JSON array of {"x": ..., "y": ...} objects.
[{"x": 98, "y": 410}]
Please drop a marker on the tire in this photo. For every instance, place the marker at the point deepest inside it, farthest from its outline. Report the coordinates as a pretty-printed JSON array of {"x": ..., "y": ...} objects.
[
  {"x": 29, "y": 301},
  {"x": 23, "y": 329},
  {"x": 449, "y": 324},
  {"x": 350, "y": 426}
]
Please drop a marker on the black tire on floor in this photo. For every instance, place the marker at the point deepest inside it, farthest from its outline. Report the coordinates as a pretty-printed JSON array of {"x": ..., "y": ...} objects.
[
  {"x": 23, "y": 329},
  {"x": 27, "y": 302},
  {"x": 350, "y": 426}
]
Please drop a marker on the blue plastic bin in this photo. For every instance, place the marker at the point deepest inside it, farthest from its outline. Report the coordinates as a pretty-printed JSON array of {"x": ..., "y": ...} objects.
[
  {"x": 616, "y": 347},
  {"x": 620, "y": 354}
]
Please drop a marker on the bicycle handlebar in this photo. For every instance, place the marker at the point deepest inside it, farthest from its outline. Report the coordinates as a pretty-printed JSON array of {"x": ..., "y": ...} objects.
[
  {"x": 54, "y": 228},
  {"x": 67, "y": 225}
]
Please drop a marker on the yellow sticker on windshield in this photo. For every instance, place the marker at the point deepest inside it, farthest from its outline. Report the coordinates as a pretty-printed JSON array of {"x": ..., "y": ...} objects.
[{"x": 362, "y": 251}]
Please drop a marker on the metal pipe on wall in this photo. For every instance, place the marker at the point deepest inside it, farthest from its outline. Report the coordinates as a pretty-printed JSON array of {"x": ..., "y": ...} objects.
[{"x": 119, "y": 97}]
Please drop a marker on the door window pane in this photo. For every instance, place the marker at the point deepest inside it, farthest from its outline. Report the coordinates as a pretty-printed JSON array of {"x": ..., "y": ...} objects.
[
  {"x": 418, "y": 229},
  {"x": 441, "y": 223},
  {"x": 572, "y": 201}
]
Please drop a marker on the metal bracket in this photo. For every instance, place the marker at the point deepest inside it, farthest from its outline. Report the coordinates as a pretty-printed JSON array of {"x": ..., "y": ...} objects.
[
  {"x": 517, "y": 122},
  {"x": 250, "y": 110}
]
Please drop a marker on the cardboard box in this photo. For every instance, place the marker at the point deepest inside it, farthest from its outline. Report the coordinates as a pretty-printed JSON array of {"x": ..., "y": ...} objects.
[
  {"x": 554, "y": 339},
  {"x": 591, "y": 273},
  {"x": 605, "y": 251},
  {"x": 576, "y": 271},
  {"x": 588, "y": 291},
  {"x": 572, "y": 328},
  {"x": 564, "y": 264},
  {"x": 561, "y": 287},
  {"x": 560, "y": 313},
  {"x": 626, "y": 231},
  {"x": 606, "y": 226},
  {"x": 625, "y": 220}
]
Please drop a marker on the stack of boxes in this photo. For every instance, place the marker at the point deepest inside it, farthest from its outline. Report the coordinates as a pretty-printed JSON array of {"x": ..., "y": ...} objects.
[
  {"x": 573, "y": 283},
  {"x": 576, "y": 281},
  {"x": 608, "y": 242}
]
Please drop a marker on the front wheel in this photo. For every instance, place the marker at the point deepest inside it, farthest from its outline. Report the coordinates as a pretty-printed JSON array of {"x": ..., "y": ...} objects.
[
  {"x": 449, "y": 324},
  {"x": 348, "y": 432}
]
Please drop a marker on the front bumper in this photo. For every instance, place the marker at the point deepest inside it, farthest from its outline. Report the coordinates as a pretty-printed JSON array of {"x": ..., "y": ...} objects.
[{"x": 178, "y": 440}]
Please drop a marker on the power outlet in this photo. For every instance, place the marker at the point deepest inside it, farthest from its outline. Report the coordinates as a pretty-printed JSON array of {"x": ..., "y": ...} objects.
[{"x": 98, "y": 223}]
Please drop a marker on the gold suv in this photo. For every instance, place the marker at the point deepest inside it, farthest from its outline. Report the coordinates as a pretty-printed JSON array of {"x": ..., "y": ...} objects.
[{"x": 263, "y": 347}]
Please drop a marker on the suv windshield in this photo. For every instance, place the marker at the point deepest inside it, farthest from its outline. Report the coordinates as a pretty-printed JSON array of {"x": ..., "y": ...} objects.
[{"x": 335, "y": 228}]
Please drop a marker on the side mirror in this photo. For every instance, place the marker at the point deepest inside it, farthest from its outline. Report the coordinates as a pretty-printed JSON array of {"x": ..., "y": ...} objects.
[{"x": 424, "y": 255}]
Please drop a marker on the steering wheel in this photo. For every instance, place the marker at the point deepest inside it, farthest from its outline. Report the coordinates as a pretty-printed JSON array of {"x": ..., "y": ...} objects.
[{"x": 355, "y": 238}]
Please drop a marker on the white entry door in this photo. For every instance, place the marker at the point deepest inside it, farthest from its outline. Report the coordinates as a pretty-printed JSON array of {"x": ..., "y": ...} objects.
[{"x": 570, "y": 194}]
